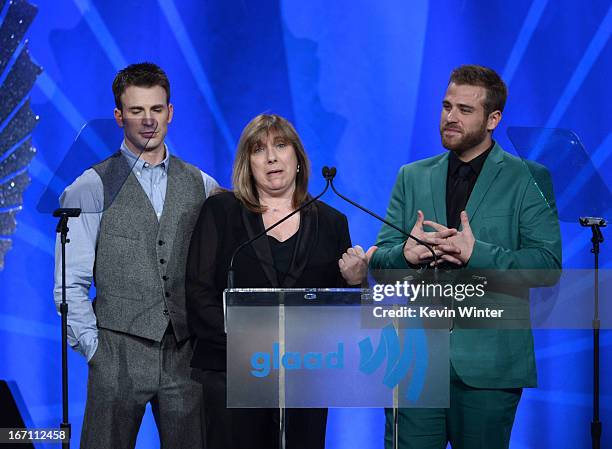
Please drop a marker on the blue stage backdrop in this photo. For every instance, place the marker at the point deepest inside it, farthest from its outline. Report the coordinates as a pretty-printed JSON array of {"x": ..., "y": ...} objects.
[{"x": 362, "y": 81}]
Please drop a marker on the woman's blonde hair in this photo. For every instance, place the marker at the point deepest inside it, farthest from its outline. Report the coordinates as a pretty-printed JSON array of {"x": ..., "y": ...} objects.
[{"x": 242, "y": 176}]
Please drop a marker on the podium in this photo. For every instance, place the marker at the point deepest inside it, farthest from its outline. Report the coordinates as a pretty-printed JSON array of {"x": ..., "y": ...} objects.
[{"x": 314, "y": 348}]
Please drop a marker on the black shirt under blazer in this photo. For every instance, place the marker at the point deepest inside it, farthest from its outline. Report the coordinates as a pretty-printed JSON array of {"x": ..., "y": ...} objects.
[{"x": 223, "y": 225}]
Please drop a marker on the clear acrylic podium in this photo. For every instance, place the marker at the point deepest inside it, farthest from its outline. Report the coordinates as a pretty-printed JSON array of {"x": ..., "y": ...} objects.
[{"x": 312, "y": 348}]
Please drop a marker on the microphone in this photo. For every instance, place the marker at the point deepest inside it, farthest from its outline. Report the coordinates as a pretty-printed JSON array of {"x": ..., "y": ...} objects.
[{"x": 327, "y": 174}]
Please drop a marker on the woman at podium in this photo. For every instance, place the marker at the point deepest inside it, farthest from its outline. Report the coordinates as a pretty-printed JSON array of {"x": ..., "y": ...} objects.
[{"x": 312, "y": 249}]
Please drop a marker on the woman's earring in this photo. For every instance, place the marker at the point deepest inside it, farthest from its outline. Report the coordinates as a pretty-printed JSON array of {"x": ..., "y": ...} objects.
[{"x": 298, "y": 168}]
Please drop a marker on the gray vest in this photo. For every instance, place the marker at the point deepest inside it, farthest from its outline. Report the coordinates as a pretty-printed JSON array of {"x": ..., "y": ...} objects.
[{"x": 140, "y": 263}]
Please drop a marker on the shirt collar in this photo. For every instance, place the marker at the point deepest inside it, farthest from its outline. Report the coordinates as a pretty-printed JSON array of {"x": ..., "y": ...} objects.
[
  {"x": 476, "y": 164},
  {"x": 138, "y": 163}
]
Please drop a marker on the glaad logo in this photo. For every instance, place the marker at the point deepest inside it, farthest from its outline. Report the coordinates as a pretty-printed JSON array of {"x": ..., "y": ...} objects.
[
  {"x": 263, "y": 362},
  {"x": 410, "y": 363}
]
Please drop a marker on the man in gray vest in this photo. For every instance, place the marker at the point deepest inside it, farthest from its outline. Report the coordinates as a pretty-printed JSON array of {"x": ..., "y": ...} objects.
[{"x": 135, "y": 334}]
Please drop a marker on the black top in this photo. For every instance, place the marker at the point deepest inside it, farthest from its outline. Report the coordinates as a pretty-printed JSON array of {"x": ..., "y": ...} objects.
[
  {"x": 282, "y": 253},
  {"x": 224, "y": 224},
  {"x": 460, "y": 182}
]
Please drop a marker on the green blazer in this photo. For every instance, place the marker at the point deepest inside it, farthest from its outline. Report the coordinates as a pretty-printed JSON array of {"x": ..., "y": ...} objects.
[{"x": 515, "y": 223}]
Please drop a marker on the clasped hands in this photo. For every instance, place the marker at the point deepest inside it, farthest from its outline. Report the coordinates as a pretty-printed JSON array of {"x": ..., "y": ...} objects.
[{"x": 449, "y": 244}]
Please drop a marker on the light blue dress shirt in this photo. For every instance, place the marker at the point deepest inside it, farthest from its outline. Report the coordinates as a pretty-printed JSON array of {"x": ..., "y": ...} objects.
[{"x": 87, "y": 193}]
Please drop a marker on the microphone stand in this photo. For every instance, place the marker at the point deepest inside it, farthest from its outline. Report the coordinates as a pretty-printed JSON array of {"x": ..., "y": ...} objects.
[
  {"x": 62, "y": 228},
  {"x": 595, "y": 224}
]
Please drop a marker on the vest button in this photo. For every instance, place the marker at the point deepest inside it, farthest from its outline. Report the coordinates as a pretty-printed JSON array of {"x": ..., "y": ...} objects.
[
  {"x": 162, "y": 261},
  {"x": 165, "y": 278},
  {"x": 166, "y": 312},
  {"x": 167, "y": 294},
  {"x": 160, "y": 243}
]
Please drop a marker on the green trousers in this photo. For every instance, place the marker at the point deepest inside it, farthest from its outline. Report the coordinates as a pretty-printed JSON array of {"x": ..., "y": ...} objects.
[{"x": 477, "y": 419}]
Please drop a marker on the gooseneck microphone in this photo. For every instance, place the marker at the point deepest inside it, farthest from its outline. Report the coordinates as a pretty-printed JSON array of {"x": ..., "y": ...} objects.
[
  {"x": 230, "y": 273},
  {"x": 329, "y": 175}
]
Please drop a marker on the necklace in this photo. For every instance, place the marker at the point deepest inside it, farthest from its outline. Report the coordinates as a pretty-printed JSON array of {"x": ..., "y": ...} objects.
[{"x": 279, "y": 208}]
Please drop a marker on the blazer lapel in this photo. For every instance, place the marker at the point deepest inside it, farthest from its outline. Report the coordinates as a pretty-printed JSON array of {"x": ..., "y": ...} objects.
[
  {"x": 306, "y": 238},
  {"x": 489, "y": 172},
  {"x": 254, "y": 225},
  {"x": 438, "y": 189}
]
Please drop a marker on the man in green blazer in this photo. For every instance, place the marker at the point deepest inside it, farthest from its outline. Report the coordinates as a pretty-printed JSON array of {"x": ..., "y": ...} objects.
[{"x": 482, "y": 209}]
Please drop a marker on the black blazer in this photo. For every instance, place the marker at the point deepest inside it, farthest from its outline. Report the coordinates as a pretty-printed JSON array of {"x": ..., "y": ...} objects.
[{"x": 222, "y": 226}]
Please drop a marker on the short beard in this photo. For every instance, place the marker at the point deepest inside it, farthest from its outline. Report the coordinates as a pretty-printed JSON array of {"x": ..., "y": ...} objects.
[{"x": 468, "y": 141}]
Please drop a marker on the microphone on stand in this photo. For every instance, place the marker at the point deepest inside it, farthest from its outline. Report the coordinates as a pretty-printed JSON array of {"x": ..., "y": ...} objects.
[
  {"x": 230, "y": 274},
  {"x": 329, "y": 175}
]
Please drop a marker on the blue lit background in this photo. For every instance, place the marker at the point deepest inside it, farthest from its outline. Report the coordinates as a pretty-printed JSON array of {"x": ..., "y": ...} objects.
[{"x": 362, "y": 81}]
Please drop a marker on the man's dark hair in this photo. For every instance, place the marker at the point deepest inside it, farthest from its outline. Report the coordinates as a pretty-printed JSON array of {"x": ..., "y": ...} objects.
[
  {"x": 476, "y": 75},
  {"x": 144, "y": 74}
]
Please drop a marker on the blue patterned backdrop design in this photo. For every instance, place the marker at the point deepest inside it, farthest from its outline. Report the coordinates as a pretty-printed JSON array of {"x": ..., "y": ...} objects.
[{"x": 362, "y": 81}]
